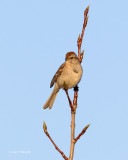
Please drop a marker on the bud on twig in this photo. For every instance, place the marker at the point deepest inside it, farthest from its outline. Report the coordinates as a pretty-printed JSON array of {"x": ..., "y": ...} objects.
[
  {"x": 44, "y": 127},
  {"x": 86, "y": 11},
  {"x": 79, "y": 37},
  {"x": 83, "y": 131},
  {"x": 78, "y": 41},
  {"x": 81, "y": 55}
]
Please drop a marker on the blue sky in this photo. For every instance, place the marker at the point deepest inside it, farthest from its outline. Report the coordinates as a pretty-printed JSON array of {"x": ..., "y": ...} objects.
[{"x": 34, "y": 38}]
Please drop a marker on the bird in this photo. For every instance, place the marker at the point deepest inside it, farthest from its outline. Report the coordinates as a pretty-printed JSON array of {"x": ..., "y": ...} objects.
[{"x": 67, "y": 76}]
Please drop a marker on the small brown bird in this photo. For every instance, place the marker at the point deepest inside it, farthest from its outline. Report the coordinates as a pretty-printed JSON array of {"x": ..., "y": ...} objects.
[{"x": 67, "y": 76}]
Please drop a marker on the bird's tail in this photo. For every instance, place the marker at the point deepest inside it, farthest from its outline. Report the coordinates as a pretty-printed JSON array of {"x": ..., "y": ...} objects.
[{"x": 52, "y": 97}]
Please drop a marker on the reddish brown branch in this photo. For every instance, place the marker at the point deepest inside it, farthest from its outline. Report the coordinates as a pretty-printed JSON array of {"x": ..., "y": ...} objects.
[
  {"x": 83, "y": 131},
  {"x": 46, "y": 132},
  {"x": 80, "y": 38},
  {"x": 75, "y": 98},
  {"x": 70, "y": 103}
]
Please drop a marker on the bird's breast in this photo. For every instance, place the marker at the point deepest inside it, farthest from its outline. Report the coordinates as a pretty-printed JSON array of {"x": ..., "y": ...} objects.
[{"x": 70, "y": 77}]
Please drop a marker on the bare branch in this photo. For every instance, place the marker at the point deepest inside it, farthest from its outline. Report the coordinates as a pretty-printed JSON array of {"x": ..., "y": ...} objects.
[
  {"x": 46, "y": 132},
  {"x": 72, "y": 135},
  {"x": 75, "y": 96},
  {"x": 80, "y": 38},
  {"x": 83, "y": 131}
]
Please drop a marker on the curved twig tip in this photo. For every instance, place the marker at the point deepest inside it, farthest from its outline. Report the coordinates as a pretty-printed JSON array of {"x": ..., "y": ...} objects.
[
  {"x": 88, "y": 125},
  {"x": 44, "y": 127},
  {"x": 86, "y": 11}
]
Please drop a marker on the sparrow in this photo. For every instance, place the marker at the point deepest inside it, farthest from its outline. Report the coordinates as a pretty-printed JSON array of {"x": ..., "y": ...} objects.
[{"x": 67, "y": 76}]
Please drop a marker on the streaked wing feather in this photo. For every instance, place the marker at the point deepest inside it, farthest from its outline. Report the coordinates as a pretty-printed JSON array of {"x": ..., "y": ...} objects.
[{"x": 57, "y": 74}]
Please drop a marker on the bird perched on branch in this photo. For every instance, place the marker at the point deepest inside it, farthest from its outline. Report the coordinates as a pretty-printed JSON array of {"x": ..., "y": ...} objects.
[{"x": 67, "y": 76}]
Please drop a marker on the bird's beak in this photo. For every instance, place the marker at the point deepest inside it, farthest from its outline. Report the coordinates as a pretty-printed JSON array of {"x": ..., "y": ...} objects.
[{"x": 66, "y": 59}]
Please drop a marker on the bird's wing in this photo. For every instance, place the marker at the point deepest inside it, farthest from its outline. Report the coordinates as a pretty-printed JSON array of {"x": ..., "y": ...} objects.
[{"x": 57, "y": 74}]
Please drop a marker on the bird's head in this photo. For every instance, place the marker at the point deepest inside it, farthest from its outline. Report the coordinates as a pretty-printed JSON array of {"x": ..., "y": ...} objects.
[{"x": 71, "y": 56}]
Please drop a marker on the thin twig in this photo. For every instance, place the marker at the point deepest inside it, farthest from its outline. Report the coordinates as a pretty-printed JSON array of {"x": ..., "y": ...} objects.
[
  {"x": 70, "y": 103},
  {"x": 83, "y": 131},
  {"x": 80, "y": 38},
  {"x": 75, "y": 96},
  {"x": 46, "y": 132}
]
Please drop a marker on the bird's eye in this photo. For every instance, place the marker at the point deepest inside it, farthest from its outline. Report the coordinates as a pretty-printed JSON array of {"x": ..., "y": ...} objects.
[{"x": 71, "y": 57}]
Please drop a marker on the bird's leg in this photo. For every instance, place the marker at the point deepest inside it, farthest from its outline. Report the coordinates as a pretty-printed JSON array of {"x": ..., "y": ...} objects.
[
  {"x": 76, "y": 88},
  {"x": 70, "y": 103}
]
